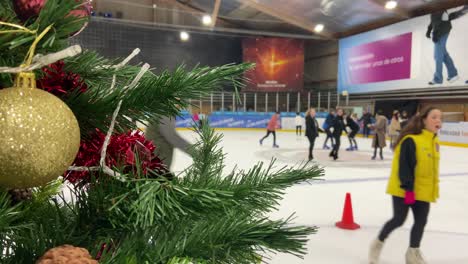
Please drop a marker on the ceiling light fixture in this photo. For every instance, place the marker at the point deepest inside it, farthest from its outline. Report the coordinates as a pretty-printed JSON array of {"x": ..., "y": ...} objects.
[
  {"x": 319, "y": 28},
  {"x": 207, "y": 20},
  {"x": 184, "y": 36},
  {"x": 391, "y": 4}
]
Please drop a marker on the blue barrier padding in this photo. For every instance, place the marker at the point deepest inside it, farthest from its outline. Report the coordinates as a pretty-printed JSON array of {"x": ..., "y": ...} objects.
[{"x": 235, "y": 119}]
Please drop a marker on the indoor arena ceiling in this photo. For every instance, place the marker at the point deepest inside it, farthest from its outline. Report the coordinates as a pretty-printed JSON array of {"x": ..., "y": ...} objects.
[{"x": 339, "y": 17}]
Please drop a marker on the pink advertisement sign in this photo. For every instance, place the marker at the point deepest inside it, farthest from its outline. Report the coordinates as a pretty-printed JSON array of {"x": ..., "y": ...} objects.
[{"x": 384, "y": 60}]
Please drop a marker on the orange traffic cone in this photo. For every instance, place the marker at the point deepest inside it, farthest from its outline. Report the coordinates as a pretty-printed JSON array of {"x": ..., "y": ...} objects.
[{"x": 347, "y": 221}]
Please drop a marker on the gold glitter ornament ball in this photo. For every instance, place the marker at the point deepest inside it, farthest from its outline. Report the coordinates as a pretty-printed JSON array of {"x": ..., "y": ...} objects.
[{"x": 39, "y": 135}]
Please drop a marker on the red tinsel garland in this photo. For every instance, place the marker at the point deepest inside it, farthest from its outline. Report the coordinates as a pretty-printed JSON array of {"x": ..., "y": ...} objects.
[
  {"x": 120, "y": 154},
  {"x": 122, "y": 147},
  {"x": 59, "y": 82}
]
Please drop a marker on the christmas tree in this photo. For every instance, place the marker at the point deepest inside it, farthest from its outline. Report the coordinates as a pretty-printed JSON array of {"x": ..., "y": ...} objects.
[{"x": 70, "y": 112}]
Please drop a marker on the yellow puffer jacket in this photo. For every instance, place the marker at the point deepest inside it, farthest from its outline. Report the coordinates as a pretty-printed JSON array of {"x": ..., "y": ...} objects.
[{"x": 426, "y": 174}]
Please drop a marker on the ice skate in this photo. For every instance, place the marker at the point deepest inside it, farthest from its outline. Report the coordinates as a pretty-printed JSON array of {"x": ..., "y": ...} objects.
[
  {"x": 374, "y": 251},
  {"x": 414, "y": 256}
]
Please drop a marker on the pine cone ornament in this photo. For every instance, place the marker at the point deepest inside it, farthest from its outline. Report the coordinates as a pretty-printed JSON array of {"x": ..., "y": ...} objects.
[
  {"x": 26, "y": 9},
  {"x": 67, "y": 254},
  {"x": 18, "y": 195},
  {"x": 84, "y": 10}
]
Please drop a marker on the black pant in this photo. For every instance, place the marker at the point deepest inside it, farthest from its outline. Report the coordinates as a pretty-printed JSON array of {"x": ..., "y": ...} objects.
[
  {"x": 298, "y": 130},
  {"x": 377, "y": 145},
  {"x": 268, "y": 133},
  {"x": 329, "y": 136},
  {"x": 400, "y": 211},
  {"x": 351, "y": 137},
  {"x": 380, "y": 152},
  {"x": 365, "y": 130},
  {"x": 311, "y": 146},
  {"x": 336, "y": 147}
]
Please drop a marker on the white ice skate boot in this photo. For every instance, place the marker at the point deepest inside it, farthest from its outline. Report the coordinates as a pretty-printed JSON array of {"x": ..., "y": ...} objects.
[
  {"x": 374, "y": 251},
  {"x": 414, "y": 256}
]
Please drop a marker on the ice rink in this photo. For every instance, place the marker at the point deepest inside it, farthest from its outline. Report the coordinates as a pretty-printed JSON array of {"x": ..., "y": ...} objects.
[{"x": 321, "y": 203}]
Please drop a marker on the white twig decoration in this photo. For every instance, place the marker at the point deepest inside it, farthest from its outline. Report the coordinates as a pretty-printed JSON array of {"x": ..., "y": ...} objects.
[
  {"x": 114, "y": 79},
  {"x": 40, "y": 61},
  {"x": 135, "y": 81},
  {"x": 102, "y": 162},
  {"x": 126, "y": 60},
  {"x": 76, "y": 168},
  {"x": 121, "y": 64}
]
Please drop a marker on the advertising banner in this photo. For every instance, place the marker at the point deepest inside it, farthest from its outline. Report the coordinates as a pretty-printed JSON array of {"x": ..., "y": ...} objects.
[
  {"x": 454, "y": 132},
  {"x": 229, "y": 120},
  {"x": 246, "y": 120},
  {"x": 279, "y": 64},
  {"x": 422, "y": 52}
]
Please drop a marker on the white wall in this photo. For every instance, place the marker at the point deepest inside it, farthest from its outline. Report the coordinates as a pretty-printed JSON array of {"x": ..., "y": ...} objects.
[{"x": 289, "y": 122}]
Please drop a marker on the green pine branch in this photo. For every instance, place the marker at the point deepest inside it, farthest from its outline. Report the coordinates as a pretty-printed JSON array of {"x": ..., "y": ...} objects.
[
  {"x": 54, "y": 12},
  {"x": 155, "y": 95},
  {"x": 258, "y": 189},
  {"x": 14, "y": 47},
  {"x": 36, "y": 227},
  {"x": 207, "y": 218},
  {"x": 233, "y": 238}
]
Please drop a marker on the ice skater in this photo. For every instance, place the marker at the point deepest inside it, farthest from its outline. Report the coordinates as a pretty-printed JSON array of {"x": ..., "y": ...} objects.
[
  {"x": 271, "y": 129},
  {"x": 380, "y": 128},
  {"x": 366, "y": 121},
  {"x": 352, "y": 123},
  {"x": 298, "y": 120},
  {"x": 338, "y": 128},
  {"x": 414, "y": 181},
  {"x": 403, "y": 119},
  {"x": 196, "y": 120},
  {"x": 327, "y": 125},
  {"x": 394, "y": 129},
  {"x": 311, "y": 130}
]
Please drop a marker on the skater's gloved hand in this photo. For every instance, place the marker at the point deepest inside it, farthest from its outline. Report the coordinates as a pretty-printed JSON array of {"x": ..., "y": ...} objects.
[
  {"x": 428, "y": 35},
  {"x": 409, "y": 198}
]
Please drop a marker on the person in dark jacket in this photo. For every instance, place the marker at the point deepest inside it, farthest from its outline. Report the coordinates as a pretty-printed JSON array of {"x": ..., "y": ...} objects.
[
  {"x": 338, "y": 127},
  {"x": 311, "y": 130},
  {"x": 164, "y": 135},
  {"x": 327, "y": 127},
  {"x": 366, "y": 120},
  {"x": 352, "y": 123},
  {"x": 440, "y": 28}
]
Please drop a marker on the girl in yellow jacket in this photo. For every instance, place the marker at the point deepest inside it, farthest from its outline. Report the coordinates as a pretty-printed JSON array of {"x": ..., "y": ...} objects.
[{"x": 414, "y": 181}]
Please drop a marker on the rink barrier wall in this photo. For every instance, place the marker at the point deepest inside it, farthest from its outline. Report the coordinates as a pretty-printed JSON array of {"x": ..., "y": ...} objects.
[
  {"x": 451, "y": 134},
  {"x": 245, "y": 119},
  {"x": 443, "y": 143}
]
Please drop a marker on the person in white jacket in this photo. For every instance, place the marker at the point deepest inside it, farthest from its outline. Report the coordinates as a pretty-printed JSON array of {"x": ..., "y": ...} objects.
[{"x": 299, "y": 121}]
